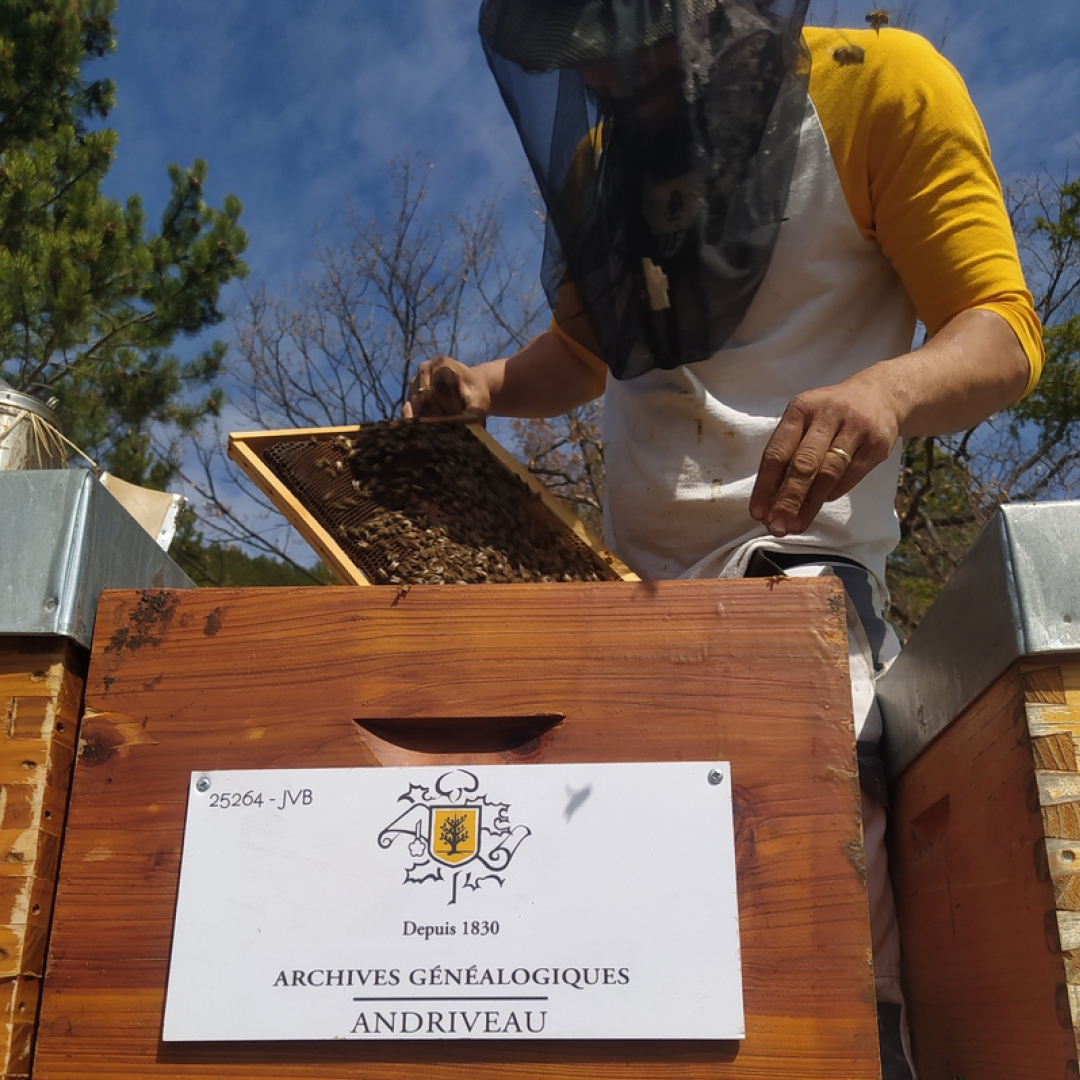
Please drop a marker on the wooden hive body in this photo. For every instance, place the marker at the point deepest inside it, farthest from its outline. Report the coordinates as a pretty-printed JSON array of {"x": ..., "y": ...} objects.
[
  {"x": 982, "y": 714},
  {"x": 63, "y": 537},
  {"x": 987, "y": 873},
  {"x": 753, "y": 672},
  {"x": 41, "y": 688}
]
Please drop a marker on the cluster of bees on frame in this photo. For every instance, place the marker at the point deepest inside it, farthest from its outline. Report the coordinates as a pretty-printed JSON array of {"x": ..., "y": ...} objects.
[{"x": 426, "y": 503}]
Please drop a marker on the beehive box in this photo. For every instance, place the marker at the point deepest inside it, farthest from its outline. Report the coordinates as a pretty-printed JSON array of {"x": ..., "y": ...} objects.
[
  {"x": 421, "y": 502},
  {"x": 752, "y": 672},
  {"x": 982, "y": 713},
  {"x": 63, "y": 538},
  {"x": 41, "y": 688},
  {"x": 987, "y": 860}
]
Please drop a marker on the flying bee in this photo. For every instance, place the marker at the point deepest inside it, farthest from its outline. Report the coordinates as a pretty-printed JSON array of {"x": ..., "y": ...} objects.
[{"x": 878, "y": 18}]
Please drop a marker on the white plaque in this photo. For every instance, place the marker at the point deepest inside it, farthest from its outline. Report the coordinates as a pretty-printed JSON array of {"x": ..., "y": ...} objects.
[{"x": 494, "y": 902}]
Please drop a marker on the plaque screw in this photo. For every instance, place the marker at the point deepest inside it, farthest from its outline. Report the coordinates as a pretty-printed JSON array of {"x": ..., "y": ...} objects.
[
  {"x": 716, "y": 777},
  {"x": 203, "y": 783}
]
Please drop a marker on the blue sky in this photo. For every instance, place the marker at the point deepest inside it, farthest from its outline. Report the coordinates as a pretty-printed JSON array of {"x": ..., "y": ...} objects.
[{"x": 298, "y": 106}]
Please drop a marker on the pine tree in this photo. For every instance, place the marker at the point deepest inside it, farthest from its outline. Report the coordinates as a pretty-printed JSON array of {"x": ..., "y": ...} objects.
[{"x": 89, "y": 303}]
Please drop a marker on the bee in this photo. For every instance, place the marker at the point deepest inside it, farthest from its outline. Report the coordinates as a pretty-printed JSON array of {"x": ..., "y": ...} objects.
[
  {"x": 342, "y": 504},
  {"x": 847, "y": 55},
  {"x": 877, "y": 19}
]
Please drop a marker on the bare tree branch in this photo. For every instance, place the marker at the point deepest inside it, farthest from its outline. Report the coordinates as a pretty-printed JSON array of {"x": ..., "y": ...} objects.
[{"x": 342, "y": 345}]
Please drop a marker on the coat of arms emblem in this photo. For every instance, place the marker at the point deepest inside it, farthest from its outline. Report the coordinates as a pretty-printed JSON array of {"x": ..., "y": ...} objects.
[{"x": 453, "y": 832}]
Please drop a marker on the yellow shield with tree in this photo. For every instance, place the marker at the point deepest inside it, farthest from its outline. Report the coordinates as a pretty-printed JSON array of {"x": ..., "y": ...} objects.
[{"x": 455, "y": 834}]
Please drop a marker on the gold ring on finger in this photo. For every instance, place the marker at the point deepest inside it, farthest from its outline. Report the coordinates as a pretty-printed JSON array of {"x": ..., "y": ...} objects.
[
  {"x": 840, "y": 453},
  {"x": 427, "y": 390}
]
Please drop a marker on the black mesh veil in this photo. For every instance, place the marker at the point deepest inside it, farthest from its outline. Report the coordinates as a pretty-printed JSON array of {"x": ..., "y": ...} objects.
[{"x": 662, "y": 135}]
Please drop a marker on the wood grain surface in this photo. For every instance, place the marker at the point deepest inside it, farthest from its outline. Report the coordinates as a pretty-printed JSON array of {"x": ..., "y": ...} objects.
[
  {"x": 322, "y": 543},
  {"x": 987, "y": 872},
  {"x": 41, "y": 687},
  {"x": 754, "y": 672}
]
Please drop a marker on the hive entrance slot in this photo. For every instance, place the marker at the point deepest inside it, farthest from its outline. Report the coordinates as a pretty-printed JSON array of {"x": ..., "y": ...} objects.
[{"x": 464, "y": 734}]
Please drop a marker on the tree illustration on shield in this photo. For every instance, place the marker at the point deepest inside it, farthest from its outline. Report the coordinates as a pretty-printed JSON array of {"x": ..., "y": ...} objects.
[
  {"x": 449, "y": 825},
  {"x": 454, "y": 833}
]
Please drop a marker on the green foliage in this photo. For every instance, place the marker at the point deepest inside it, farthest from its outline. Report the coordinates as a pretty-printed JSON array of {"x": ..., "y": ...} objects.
[
  {"x": 1054, "y": 406},
  {"x": 215, "y": 564},
  {"x": 937, "y": 526},
  {"x": 89, "y": 303}
]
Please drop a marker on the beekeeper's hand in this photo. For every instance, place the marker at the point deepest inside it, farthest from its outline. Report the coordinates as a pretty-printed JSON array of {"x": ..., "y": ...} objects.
[
  {"x": 830, "y": 438},
  {"x": 445, "y": 387},
  {"x": 545, "y": 378}
]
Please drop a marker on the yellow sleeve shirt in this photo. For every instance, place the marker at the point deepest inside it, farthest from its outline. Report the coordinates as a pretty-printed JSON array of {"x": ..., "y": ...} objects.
[{"x": 914, "y": 166}]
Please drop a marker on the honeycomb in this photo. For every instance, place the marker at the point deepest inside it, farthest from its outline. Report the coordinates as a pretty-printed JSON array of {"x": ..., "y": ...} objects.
[{"x": 427, "y": 503}]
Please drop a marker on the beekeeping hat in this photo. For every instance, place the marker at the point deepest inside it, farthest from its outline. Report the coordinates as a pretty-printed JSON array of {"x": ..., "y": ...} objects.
[
  {"x": 542, "y": 35},
  {"x": 665, "y": 180}
]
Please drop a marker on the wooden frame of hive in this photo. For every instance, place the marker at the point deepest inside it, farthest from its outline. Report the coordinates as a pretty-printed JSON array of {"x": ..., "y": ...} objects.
[{"x": 247, "y": 450}]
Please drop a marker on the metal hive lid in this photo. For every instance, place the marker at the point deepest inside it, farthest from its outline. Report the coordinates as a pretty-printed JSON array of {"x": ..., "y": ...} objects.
[
  {"x": 1016, "y": 593},
  {"x": 64, "y": 539}
]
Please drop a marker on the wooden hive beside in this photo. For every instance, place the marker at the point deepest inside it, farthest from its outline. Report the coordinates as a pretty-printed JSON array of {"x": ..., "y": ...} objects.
[
  {"x": 41, "y": 688},
  {"x": 982, "y": 717},
  {"x": 63, "y": 538},
  {"x": 987, "y": 870}
]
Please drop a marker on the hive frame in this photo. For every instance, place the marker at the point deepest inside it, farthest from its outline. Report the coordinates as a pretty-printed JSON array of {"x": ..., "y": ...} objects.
[{"x": 246, "y": 449}]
